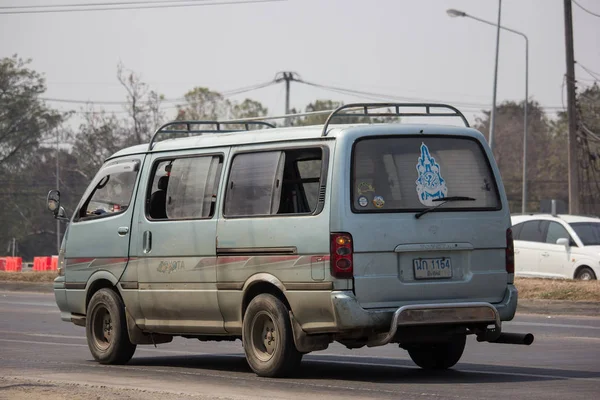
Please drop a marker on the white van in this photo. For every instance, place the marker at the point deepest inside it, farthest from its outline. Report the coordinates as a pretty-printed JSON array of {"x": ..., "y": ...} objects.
[{"x": 292, "y": 238}]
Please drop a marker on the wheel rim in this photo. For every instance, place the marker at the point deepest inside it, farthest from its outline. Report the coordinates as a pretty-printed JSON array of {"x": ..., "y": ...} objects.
[
  {"x": 585, "y": 276},
  {"x": 102, "y": 327},
  {"x": 264, "y": 336}
]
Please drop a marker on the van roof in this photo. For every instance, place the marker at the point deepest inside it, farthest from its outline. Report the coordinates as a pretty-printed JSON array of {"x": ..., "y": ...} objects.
[{"x": 286, "y": 134}]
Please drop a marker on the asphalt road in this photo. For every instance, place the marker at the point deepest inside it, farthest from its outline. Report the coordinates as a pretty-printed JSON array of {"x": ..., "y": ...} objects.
[{"x": 37, "y": 347}]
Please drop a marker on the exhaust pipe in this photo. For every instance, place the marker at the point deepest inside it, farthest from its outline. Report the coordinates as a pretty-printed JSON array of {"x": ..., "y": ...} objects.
[{"x": 511, "y": 338}]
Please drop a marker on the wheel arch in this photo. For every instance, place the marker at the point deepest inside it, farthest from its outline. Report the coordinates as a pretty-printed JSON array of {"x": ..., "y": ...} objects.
[
  {"x": 582, "y": 266},
  {"x": 263, "y": 283},
  {"x": 100, "y": 280}
]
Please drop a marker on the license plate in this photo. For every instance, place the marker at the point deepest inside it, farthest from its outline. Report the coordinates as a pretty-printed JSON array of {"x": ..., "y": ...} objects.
[{"x": 432, "y": 268}]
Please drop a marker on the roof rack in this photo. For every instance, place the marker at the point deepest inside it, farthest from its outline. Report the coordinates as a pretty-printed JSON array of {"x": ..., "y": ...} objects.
[
  {"x": 217, "y": 124},
  {"x": 397, "y": 113}
]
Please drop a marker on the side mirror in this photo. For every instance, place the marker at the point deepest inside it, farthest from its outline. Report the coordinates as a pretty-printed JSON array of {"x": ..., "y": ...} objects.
[
  {"x": 53, "y": 202},
  {"x": 563, "y": 242}
]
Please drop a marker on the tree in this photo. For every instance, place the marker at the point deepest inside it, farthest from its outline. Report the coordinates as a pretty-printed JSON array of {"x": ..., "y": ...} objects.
[
  {"x": 546, "y": 157},
  {"x": 143, "y": 108},
  {"x": 24, "y": 118},
  {"x": 203, "y": 104},
  {"x": 325, "y": 105},
  {"x": 248, "y": 109}
]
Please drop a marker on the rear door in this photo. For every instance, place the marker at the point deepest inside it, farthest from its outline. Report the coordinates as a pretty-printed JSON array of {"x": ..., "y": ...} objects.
[
  {"x": 455, "y": 252},
  {"x": 531, "y": 245},
  {"x": 555, "y": 258}
]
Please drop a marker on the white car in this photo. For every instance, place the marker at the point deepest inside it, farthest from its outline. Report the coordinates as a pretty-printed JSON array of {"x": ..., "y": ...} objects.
[{"x": 560, "y": 246}]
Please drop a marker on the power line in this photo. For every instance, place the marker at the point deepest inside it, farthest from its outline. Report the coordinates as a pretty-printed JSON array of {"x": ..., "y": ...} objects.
[
  {"x": 381, "y": 96},
  {"x": 226, "y": 93},
  {"x": 593, "y": 74},
  {"x": 585, "y": 9},
  {"x": 116, "y": 3},
  {"x": 213, "y": 3}
]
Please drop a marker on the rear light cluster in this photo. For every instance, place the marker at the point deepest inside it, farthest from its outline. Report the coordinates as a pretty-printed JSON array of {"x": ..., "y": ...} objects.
[
  {"x": 341, "y": 255},
  {"x": 510, "y": 252}
]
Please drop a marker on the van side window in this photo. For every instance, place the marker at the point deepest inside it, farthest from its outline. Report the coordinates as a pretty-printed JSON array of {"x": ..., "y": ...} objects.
[
  {"x": 274, "y": 182},
  {"x": 184, "y": 188},
  {"x": 111, "y": 196}
]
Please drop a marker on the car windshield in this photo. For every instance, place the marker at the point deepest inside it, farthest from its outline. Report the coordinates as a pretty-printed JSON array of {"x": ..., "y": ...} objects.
[{"x": 588, "y": 232}]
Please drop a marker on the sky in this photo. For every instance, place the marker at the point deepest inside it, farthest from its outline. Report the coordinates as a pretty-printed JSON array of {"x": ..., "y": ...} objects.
[{"x": 405, "y": 48}]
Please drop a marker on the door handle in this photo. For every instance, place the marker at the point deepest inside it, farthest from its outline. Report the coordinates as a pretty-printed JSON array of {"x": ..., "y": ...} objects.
[
  {"x": 545, "y": 254},
  {"x": 147, "y": 242},
  {"x": 123, "y": 230}
]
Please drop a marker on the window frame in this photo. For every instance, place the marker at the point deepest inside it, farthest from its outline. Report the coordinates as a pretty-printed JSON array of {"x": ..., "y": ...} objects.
[
  {"x": 150, "y": 181},
  {"x": 543, "y": 232},
  {"x": 322, "y": 180},
  {"x": 102, "y": 173},
  {"x": 570, "y": 237},
  {"x": 355, "y": 210}
]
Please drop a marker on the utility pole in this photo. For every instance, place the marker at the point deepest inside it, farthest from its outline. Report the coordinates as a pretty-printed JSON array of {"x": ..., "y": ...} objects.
[
  {"x": 493, "y": 116},
  {"x": 57, "y": 188},
  {"x": 287, "y": 77},
  {"x": 14, "y": 245},
  {"x": 573, "y": 167}
]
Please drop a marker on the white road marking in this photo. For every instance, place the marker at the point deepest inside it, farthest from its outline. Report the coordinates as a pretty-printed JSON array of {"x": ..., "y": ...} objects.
[
  {"x": 41, "y": 335},
  {"x": 547, "y": 325}
]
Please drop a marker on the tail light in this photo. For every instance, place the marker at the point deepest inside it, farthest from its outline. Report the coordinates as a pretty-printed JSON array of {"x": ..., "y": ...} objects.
[
  {"x": 341, "y": 255},
  {"x": 510, "y": 252}
]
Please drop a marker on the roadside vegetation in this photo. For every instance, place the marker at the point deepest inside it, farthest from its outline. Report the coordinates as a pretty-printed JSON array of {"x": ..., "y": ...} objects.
[
  {"x": 558, "y": 289},
  {"x": 27, "y": 276}
]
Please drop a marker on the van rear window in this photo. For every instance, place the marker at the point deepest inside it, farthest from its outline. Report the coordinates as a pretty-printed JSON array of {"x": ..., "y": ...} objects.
[{"x": 408, "y": 173}]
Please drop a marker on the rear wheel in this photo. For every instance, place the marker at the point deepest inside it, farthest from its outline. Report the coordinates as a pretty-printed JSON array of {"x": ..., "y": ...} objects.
[
  {"x": 268, "y": 339},
  {"x": 585, "y": 274},
  {"x": 106, "y": 329},
  {"x": 441, "y": 355}
]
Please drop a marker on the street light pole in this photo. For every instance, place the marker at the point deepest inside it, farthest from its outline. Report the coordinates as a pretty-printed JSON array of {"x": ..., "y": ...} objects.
[
  {"x": 493, "y": 119},
  {"x": 456, "y": 13}
]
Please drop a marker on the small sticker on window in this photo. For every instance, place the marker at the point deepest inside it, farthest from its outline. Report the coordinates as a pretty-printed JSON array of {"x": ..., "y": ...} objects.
[
  {"x": 365, "y": 187},
  {"x": 430, "y": 184},
  {"x": 378, "y": 201},
  {"x": 363, "y": 201}
]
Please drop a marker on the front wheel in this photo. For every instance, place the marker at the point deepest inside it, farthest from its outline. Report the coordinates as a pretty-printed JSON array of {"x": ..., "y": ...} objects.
[
  {"x": 438, "y": 356},
  {"x": 106, "y": 329},
  {"x": 268, "y": 338},
  {"x": 585, "y": 274}
]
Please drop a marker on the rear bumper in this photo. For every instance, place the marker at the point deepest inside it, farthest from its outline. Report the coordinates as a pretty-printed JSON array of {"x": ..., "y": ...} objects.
[{"x": 350, "y": 316}]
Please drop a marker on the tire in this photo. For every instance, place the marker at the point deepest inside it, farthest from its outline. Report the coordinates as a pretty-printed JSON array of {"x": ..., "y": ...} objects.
[
  {"x": 106, "y": 329},
  {"x": 268, "y": 338},
  {"x": 585, "y": 274},
  {"x": 438, "y": 356}
]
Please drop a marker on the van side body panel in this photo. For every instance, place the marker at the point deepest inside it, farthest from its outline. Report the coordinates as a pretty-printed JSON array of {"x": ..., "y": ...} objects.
[
  {"x": 293, "y": 249},
  {"x": 95, "y": 245},
  {"x": 175, "y": 266}
]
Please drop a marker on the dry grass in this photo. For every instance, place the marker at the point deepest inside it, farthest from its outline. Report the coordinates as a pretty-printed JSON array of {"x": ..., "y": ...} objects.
[
  {"x": 29, "y": 276},
  {"x": 558, "y": 289}
]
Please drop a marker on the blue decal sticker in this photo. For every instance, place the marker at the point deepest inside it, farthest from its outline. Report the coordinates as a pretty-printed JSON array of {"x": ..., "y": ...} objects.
[{"x": 430, "y": 184}]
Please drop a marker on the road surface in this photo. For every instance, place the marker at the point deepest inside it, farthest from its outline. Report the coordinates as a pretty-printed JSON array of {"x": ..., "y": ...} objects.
[{"x": 41, "y": 356}]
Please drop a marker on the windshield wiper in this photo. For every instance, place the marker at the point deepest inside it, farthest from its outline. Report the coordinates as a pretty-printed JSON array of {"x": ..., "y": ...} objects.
[{"x": 442, "y": 202}]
